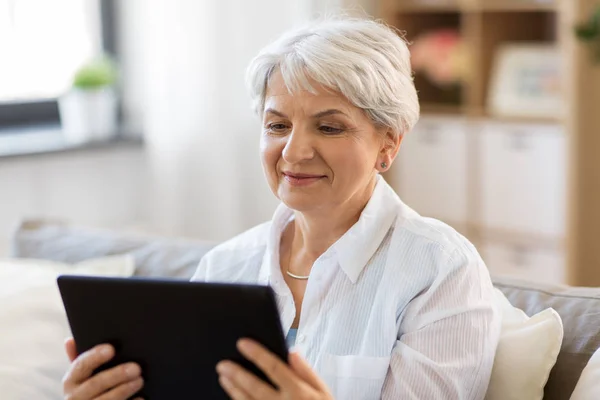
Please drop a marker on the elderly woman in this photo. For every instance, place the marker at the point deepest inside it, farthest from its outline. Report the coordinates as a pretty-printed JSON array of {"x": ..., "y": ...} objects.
[{"x": 378, "y": 301}]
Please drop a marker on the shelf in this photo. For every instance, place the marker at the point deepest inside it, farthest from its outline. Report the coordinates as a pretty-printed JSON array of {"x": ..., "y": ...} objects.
[
  {"x": 472, "y": 113},
  {"x": 519, "y": 238},
  {"x": 478, "y": 113},
  {"x": 517, "y": 5},
  {"x": 523, "y": 120},
  {"x": 441, "y": 109},
  {"x": 36, "y": 140},
  {"x": 426, "y": 6}
]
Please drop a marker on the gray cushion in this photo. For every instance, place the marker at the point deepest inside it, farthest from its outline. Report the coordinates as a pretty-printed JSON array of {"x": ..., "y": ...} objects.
[
  {"x": 164, "y": 257},
  {"x": 579, "y": 309}
]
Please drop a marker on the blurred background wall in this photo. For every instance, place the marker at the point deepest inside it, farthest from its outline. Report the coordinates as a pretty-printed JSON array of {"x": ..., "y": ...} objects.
[
  {"x": 201, "y": 135},
  {"x": 505, "y": 86},
  {"x": 182, "y": 88}
]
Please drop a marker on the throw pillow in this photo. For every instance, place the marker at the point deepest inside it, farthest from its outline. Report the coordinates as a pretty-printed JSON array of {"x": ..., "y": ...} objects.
[
  {"x": 588, "y": 386},
  {"x": 34, "y": 323},
  {"x": 527, "y": 351}
]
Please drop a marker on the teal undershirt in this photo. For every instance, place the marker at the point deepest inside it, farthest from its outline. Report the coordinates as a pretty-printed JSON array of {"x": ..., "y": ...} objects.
[{"x": 290, "y": 339}]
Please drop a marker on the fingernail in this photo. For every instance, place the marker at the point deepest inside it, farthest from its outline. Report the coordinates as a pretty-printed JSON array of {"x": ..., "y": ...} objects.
[
  {"x": 244, "y": 345},
  {"x": 106, "y": 350},
  {"x": 132, "y": 370},
  {"x": 223, "y": 368}
]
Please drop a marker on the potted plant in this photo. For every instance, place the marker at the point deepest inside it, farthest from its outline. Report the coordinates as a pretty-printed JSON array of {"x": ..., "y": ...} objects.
[
  {"x": 88, "y": 111},
  {"x": 589, "y": 32}
]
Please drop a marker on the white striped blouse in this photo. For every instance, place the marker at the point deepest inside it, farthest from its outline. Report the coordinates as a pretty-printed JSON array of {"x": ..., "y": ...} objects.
[{"x": 400, "y": 307}]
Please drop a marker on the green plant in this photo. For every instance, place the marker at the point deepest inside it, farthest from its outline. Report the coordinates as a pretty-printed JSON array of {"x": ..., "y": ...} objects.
[
  {"x": 95, "y": 74},
  {"x": 589, "y": 32}
]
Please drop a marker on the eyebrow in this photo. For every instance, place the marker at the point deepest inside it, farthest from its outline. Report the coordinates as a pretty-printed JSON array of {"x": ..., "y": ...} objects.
[
  {"x": 331, "y": 111},
  {"x": 273, "y": 111},
  {"x": 325, "y": 113}
]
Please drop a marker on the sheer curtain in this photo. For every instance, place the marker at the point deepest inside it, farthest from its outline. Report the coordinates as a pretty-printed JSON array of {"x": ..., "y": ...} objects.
[{"x": 186, "y": 68}]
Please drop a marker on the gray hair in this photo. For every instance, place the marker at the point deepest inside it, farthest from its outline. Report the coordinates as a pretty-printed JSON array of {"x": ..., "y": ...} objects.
[{"x": 364, "y": 60}]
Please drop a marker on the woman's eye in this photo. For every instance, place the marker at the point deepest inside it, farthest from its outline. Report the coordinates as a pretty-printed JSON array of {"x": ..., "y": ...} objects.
[
  {"x": 330, "y": 129},
  {"x": 277, "y": 127}
]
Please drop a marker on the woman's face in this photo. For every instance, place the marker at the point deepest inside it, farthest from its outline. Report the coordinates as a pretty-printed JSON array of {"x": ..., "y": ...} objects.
[{"x": 319, "y": 151}]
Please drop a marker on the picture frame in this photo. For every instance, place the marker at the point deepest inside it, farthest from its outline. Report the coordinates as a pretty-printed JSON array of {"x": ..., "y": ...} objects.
[{"x": 526, "y": 81}]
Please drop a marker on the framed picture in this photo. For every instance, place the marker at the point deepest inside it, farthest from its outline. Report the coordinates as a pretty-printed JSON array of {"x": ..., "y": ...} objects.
[{"x": 526, "y": 81}]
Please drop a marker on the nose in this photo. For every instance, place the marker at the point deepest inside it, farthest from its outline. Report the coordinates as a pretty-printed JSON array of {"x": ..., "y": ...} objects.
[{"x": 299, "y": 146}]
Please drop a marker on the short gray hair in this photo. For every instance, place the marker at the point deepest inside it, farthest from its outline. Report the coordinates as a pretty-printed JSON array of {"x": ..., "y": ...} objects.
[{"x": 364, "y": 60}]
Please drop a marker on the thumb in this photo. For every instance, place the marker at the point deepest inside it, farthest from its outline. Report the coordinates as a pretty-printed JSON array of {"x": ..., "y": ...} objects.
[
  {"x": 71, "y": 349},
  {"x": 305, "y": 372}
]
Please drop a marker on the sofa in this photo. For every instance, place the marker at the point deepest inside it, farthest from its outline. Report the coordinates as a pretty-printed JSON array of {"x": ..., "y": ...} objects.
[{"x": 578, "y": 307}]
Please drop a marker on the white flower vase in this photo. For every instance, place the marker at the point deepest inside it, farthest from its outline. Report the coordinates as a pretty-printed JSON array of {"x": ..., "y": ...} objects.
[{"x": 88, "y": 115}]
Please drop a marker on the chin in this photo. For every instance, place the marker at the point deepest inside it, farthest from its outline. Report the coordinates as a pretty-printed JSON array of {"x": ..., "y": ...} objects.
[{"x": 300, "y": 201}]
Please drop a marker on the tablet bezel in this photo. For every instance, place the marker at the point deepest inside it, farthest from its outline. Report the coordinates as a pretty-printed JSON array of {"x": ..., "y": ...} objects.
[{"x": 111, "y": 309}]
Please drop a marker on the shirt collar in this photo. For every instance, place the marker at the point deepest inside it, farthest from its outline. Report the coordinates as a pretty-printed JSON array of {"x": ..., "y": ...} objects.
[
  {"x": 356, "y": 247},
  {"x": 353, "y": 250}
]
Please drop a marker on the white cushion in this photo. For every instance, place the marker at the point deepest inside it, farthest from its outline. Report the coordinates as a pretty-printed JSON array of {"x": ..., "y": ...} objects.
[
  {"x": 588, "y": 386},
  {"x": 33, "y": 323},
  {"x": 527, "y": 351}
]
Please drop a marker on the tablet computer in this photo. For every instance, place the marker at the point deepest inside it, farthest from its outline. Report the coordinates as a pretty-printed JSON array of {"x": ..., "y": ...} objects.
[{"x": 176, "y": 330}]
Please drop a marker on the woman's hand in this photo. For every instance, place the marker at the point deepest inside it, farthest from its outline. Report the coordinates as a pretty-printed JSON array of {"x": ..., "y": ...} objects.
[
  {"x": 118, "y": 383},
  {"x": 296, "y": 381}
]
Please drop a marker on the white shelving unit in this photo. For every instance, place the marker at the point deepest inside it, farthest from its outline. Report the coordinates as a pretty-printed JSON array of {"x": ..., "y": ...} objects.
[{"x": 502, "y": 184}]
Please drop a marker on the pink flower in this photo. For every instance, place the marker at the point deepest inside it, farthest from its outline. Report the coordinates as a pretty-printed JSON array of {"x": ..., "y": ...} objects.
[{"x": 440, "y": 56}]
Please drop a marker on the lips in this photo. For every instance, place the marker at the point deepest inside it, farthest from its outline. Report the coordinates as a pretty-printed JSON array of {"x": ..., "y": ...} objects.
[
  {"x": 301, "y": 176},
  {"x": 301, "y": 179}
]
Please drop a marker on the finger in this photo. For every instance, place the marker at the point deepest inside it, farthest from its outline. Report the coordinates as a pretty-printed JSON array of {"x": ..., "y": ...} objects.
[
  {"x": 123, "y": 391},
  {"x": 71, "y": 349},
  {"x": 85, "y": 364},
  {"x": 304, "y": 371},
  {"x": 245, "y": 380},
  {"x": 232, "y": 390},
  {"x": 269, "y": 363},
  {"x": 109, "y": 379}
]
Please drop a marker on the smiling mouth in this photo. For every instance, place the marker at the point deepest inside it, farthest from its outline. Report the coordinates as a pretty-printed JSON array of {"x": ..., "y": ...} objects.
[{"x": 301, "y": 179}]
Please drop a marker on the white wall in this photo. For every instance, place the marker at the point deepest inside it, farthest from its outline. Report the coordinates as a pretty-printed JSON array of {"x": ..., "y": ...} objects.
[
  {"x": 202, "y": 137},
  {"x": 190, "y": 60},
  {"x": 184, "y": 62},
  {"x": 101, "y": 188}
]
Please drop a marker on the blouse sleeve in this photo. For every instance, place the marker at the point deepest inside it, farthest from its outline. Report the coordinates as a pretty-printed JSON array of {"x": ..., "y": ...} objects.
[
  {"x": 201, "y": 274},
  {"x": 448, "y": 337}
]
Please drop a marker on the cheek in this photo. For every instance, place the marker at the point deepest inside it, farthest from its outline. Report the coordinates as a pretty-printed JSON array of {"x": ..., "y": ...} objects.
[
  {"x": 269, "y": 154},
  {"x": 351, "y": 161}
]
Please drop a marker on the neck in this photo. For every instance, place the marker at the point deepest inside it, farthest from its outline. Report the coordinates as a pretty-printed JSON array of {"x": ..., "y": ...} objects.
[{"x": 315, "y": 232}]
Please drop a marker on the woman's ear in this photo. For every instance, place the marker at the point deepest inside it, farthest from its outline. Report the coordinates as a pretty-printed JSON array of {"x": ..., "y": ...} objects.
[{"x": 389, "y": 149}]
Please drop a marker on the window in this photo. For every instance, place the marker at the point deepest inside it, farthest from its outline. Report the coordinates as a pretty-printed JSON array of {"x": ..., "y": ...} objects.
[{"x": 42, "y": 43}]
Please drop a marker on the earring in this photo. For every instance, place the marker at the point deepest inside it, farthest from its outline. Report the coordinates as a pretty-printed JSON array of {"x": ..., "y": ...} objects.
[{"x": 383, "y": 165}]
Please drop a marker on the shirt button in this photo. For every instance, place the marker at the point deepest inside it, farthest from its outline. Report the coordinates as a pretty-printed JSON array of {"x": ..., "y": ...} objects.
[{"x": 301, "y": 338}]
